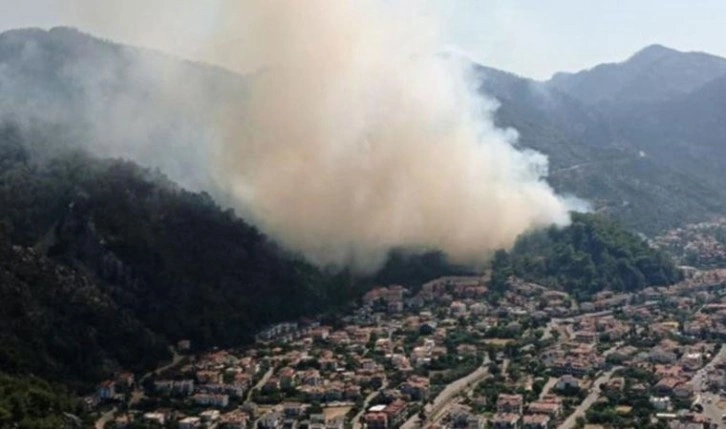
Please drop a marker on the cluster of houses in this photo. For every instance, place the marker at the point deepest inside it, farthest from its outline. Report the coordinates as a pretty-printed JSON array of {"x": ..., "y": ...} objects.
[
  {"x": 511, "y": 413},
  {"x": 387, "y": 416},
  {"x": 697, "y": 243},
  {"x": 375, "y": 363}
]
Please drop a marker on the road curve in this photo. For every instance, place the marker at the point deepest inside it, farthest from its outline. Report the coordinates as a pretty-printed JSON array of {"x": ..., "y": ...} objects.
[
  {"x": 451, "y": 390},
  {"x": 581, "y": 409},
  {"x": 369, "y": 398}
]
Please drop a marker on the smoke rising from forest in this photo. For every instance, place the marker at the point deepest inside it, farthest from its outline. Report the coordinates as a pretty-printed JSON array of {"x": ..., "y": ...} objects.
[
  {"x": 350, "y": 135},
  {"x": 356, "y": 138}
]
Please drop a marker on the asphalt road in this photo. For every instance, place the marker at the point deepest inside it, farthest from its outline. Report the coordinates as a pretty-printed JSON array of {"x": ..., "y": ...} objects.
[
  {"x": 711, "y": 409},
  {"x": 265, "y": 378},
  {"x": 449, "y": 393},
  {"x": 548, "y": 386},
  {"x": 571, "y": 420},
  {"x": 369, "y": 398},
  {"x": 551, "y": 325},
  {"x": 138, "y": 393},
  {"x": 105, "y": 418},
  {"x": 709, "y": 400}
]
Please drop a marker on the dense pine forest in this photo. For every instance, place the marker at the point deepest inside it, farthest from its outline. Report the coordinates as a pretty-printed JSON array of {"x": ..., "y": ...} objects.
[{"x": 590, "y": 255}]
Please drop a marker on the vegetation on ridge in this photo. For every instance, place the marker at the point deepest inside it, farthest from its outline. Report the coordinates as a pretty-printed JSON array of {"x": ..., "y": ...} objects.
[{"x": 590, "y": 255}]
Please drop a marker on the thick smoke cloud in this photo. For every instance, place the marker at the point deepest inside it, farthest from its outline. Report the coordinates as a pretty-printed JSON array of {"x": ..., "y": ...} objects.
[
  {"x": 349, "y": 135},
  {"x": 357, "y": 138}
]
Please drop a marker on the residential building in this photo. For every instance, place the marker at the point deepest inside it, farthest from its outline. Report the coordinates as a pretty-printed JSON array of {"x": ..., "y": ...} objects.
[
  {"x": 106, "y": 390},
  {"x": 157, "y": 417},
  {"x": 190, "y": 423},
  {"x": 567, "y": 382},
  {"x": 234, "y": 420},
  {"x": 510, "y": 404},
  {"x": 417, "y": 388},
  {"x": 550, "y": 405},
  {"x": 210, "y": 416},
  {"x": 271, "y": 420},
  {"x": 396, "y": 413},
  {"x": 213, "y": 400},
  {"x": 376, "y": 420},
  {"x": 536, "y": 421},
  {"x": 660, "y": 403},
  {"x": 586, "y": 337},
  {"x": 506, "y": 421}
]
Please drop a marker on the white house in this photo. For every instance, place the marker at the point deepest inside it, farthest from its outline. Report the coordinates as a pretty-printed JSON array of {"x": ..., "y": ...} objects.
[
  {"x": 660, "y": 403},
  {"x": 567, "y": 381}
]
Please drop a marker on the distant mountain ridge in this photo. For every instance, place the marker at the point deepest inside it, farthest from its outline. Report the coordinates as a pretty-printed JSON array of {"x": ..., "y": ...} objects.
[
  {"x": 98, "y": 95},
  {"x": 653, "y": 74},
  {"x": 640, "y": 139}
]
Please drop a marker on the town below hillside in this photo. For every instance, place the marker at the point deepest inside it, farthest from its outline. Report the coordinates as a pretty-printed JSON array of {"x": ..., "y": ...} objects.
[
  {"x": 701, "y": 244},
  {"x": 447, "y": 357},
  {"x": 134, "y": 295}
]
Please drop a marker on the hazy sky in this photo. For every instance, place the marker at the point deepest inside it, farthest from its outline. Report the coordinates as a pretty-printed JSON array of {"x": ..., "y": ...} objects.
[{"x": 533, "y": 38}]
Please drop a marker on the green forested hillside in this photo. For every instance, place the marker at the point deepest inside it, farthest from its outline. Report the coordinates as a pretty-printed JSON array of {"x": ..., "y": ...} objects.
[
  {"x": 30, "y": 403},
  {"x": 60, "y": 324},
  {"x": 103, "y": 264},
  {"x": 119, "y": 249},
  {"x": 655, "y": 73},
  {"x": 591, "y": 255},
  {"x": 641, "y": 139}
]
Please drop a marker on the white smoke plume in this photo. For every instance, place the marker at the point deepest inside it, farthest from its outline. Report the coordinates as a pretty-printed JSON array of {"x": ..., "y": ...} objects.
[
  {"x": 351, "y": 134},
  {"x": 357, "y": 138}
]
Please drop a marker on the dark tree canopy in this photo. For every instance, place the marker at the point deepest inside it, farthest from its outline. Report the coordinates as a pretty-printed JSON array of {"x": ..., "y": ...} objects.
[
  {"x": 112, "y": 263},
  {"x": 590, "y": 255}
]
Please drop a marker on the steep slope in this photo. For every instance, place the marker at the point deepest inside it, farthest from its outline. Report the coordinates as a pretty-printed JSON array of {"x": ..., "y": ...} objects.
[
  {"x": 591, "y": 255},
  {"x": 695, "y": 118},
  {"x": 104, "y": 263},
  {"x": 685, "y": 132},
  {"x": 185, "y": 266},
  {"x": 76, "y": 91},
  {"x": 627, "y": 160},
  {"x": 30, "y": 403},
  {"x": 58, "y": 323},
  {"x": 653, "y": 74},
  {"x": 547, "y": 119}
]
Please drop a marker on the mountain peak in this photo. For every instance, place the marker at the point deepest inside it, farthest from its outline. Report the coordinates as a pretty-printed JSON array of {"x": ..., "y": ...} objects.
[
  {"x": 652, "y": 52},
  {"x": 653, "y": 74}
]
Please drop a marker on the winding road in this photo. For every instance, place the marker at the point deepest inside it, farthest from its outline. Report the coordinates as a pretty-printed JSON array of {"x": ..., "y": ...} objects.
[
  {"x": 571, "y": 421},
  {"x": 369, "y": 398},
  {"x": 138, "y": 394},
  {"x": 265, "y": 378},
  {"x": 105, "y": 418},
  {"x": 710, "y": 401},
  {"x": 175, "y": 359},
  {"x": 548, "y": 386},
  {"x": 447, "y": 395}
]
